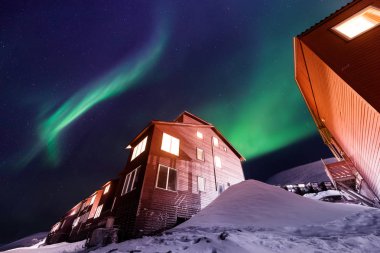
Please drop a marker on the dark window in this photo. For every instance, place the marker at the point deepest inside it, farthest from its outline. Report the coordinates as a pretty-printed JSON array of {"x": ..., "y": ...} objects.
[{"x": 167, "y": 178}]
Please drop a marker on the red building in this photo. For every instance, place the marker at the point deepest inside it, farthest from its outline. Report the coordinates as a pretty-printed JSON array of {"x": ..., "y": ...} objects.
[
  {"x": 337, "y": 69},
  {"x": 173, "y": 171}
]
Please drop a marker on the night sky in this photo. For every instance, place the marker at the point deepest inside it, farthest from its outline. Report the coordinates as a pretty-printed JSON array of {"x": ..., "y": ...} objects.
[{"x": 80, "y": 79}]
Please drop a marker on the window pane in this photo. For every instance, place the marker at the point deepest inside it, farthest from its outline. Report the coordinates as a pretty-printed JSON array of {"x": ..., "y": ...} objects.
[
  {"x": 172, "y": 182},
  {"x": 200, "y": 154},
  {"x": 136, "y": 178},
  {"x": 175, "y": 146},
  {"x": 201, "y": 184},
  {"x": 131, "y": 181},
  {"x": 162, "y": 176},
  {"x": 199, "y": 135},
  {"x": 165, "y": 146},
  {"x": 124, "y": 191},
  {"x": 215, "y": 141},
  {"x": 218, "y": 162}
]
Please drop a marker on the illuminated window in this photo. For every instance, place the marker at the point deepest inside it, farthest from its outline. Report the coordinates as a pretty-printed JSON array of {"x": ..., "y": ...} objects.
[
  {"x": 170, "y": 144},
  {"x": 199, "y": 135},
  {"x": 359, "y": 23},
  {"x": 139, "y": 148},
  {"x": 200, "y": 154},
  {"x": 131, "y": 180},
  {"x": 218, "y": 162},
  {"x": 215, "y": 141},
  {"x": 106, "y": 190},
  {"x": 201, "y": 184},
  {"x": 76, "y": 221},
  {"x": 55, "y": 227},
  {"x": 92, "y": 200},
  {"x": 166, "y": 178},
  {"x": 98, "y": 211}
]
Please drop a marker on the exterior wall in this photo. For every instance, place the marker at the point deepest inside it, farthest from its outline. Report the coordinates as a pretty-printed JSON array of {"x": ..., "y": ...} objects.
[
  {"x": 126, "y": 206},
  {"x": 354, "y": 123},
  {"x": 161, "y": 209},
  {"x": 355, "y": 61}
]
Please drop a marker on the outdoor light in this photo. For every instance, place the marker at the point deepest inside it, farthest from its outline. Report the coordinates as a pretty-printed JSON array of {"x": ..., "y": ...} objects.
[{"x": 359, "y": 23}]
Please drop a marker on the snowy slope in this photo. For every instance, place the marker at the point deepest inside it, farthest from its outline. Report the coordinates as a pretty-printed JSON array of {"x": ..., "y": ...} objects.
[
  {"x": 25, "y": 242},
  {"x": 256, "y": 217},
  {"x": 311, "y": 172}
]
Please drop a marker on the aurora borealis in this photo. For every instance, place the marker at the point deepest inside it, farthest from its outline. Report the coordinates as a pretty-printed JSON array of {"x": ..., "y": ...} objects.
[{"x": 79, "y": 80}]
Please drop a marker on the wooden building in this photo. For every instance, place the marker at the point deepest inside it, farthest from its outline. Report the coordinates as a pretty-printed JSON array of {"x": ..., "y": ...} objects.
[
  {"x": 337, "y": 69},
  {"x": 174, "y": 170}
]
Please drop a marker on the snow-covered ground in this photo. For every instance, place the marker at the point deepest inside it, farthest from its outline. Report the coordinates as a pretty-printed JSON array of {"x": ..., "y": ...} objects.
[
  {"x": 256, "y": 217},
  {"x": 25, "y": 242}
]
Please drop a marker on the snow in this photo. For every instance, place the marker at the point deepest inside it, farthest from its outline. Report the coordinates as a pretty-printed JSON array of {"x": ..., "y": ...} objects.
[
  {"x": 25, "y": 242},
  {"x": 63, "y": 247},
  {"x": 256, "y": 217},
  {"x": 311, "y": 172}
]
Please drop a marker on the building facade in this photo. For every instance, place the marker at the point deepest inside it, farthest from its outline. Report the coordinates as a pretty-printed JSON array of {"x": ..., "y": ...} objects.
[
  {"x": 337, "y": 65},
  {"x": 174, "y": 170}
]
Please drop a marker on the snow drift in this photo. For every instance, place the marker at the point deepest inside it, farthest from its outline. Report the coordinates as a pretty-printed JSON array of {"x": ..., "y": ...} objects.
[{"x": 252, "y": 203}]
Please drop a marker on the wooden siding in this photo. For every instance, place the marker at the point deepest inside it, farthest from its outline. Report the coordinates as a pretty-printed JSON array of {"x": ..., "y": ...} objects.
[
  {"x": 159, "y": 209},
  {"x": 355, "y": 61},
  {"x": 351, "y": 120}
]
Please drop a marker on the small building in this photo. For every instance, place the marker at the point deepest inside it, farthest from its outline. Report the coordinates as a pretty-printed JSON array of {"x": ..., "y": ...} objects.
[
  {"x": 174, "y": 170},
  {"x": 337, "y": 63}
]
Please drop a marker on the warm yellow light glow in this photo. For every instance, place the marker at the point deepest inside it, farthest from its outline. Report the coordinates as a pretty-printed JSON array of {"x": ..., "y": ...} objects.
[
  {"x": 139, "y": 148},
  {"x": 92, "y": 200},
  {"x": 359, "y": 23},
  {"x": 170, "y": 144},
  {"x": 98, "y": 211},
  {"x": 106, "y": 189},
  {"x": 199, "y": 135}
]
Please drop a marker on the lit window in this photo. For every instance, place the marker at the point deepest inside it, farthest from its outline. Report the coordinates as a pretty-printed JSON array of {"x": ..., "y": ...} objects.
[
  {"x": 167, "y": 178},
  {"x": 55, "y": 227},
  {"x": 92, "y": 200},
  {"x": 218, "y": 162},
  {"x": 106, "y": 190},
  {"x": 72, "y": 212},
  {"x": 130, "y": 182},
  {"x": 359, "y": 23},
  {"x": 76, "y": 221},
  {"x": 139, "y": 148},
  {"x": 170, "y": 144},
  {"x": 98, "y": 211},
  {"x": 200, "y": 154},
  {"x": 215, "y": 141},
  {"x": 225, "y": 149},
  {"x": 201, "y": 184},
  {"x": 199, "y": 135}
]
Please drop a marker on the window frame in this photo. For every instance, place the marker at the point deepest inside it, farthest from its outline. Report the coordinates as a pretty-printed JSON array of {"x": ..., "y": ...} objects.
[
  {"x": 171, "y": 146},
  {"x": 204, "y": 184},
  {"x": 167, "y": 178},
  {"x": 215, "y": 141},
  {"x": 217, "y": 161},
  {"x": 359, "y": 13},
  {"x": 203, "y": 154},
  {"x": 130, "y": 185},
  {"x": 139, "y": 148}
]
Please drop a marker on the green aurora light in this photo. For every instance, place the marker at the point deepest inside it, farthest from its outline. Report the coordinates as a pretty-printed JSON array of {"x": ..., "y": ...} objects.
[
  {"x": 267, "y": 111},
  {"x": 125, "y": 76}
]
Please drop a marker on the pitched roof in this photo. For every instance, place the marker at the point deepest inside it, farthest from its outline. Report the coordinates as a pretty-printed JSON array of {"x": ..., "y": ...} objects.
[{"x": 178, "y": 123}]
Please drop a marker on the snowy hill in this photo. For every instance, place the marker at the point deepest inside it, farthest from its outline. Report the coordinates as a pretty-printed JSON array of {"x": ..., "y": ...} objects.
[
  {"x": 25, "y": 242},
  {"x": 311, "y": 172},
  {"x": 256, "y": 217}
]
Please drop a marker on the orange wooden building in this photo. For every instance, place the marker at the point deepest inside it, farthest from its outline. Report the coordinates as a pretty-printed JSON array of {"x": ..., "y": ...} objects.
[
  {"x": 174, "y": 170},
  {"x": 337, "y": 69}
]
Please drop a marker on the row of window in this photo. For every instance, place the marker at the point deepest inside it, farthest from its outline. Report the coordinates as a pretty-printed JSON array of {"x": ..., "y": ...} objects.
[
  {"x": 131, "y": 180},
  {"x": 170, "y": 144}
]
